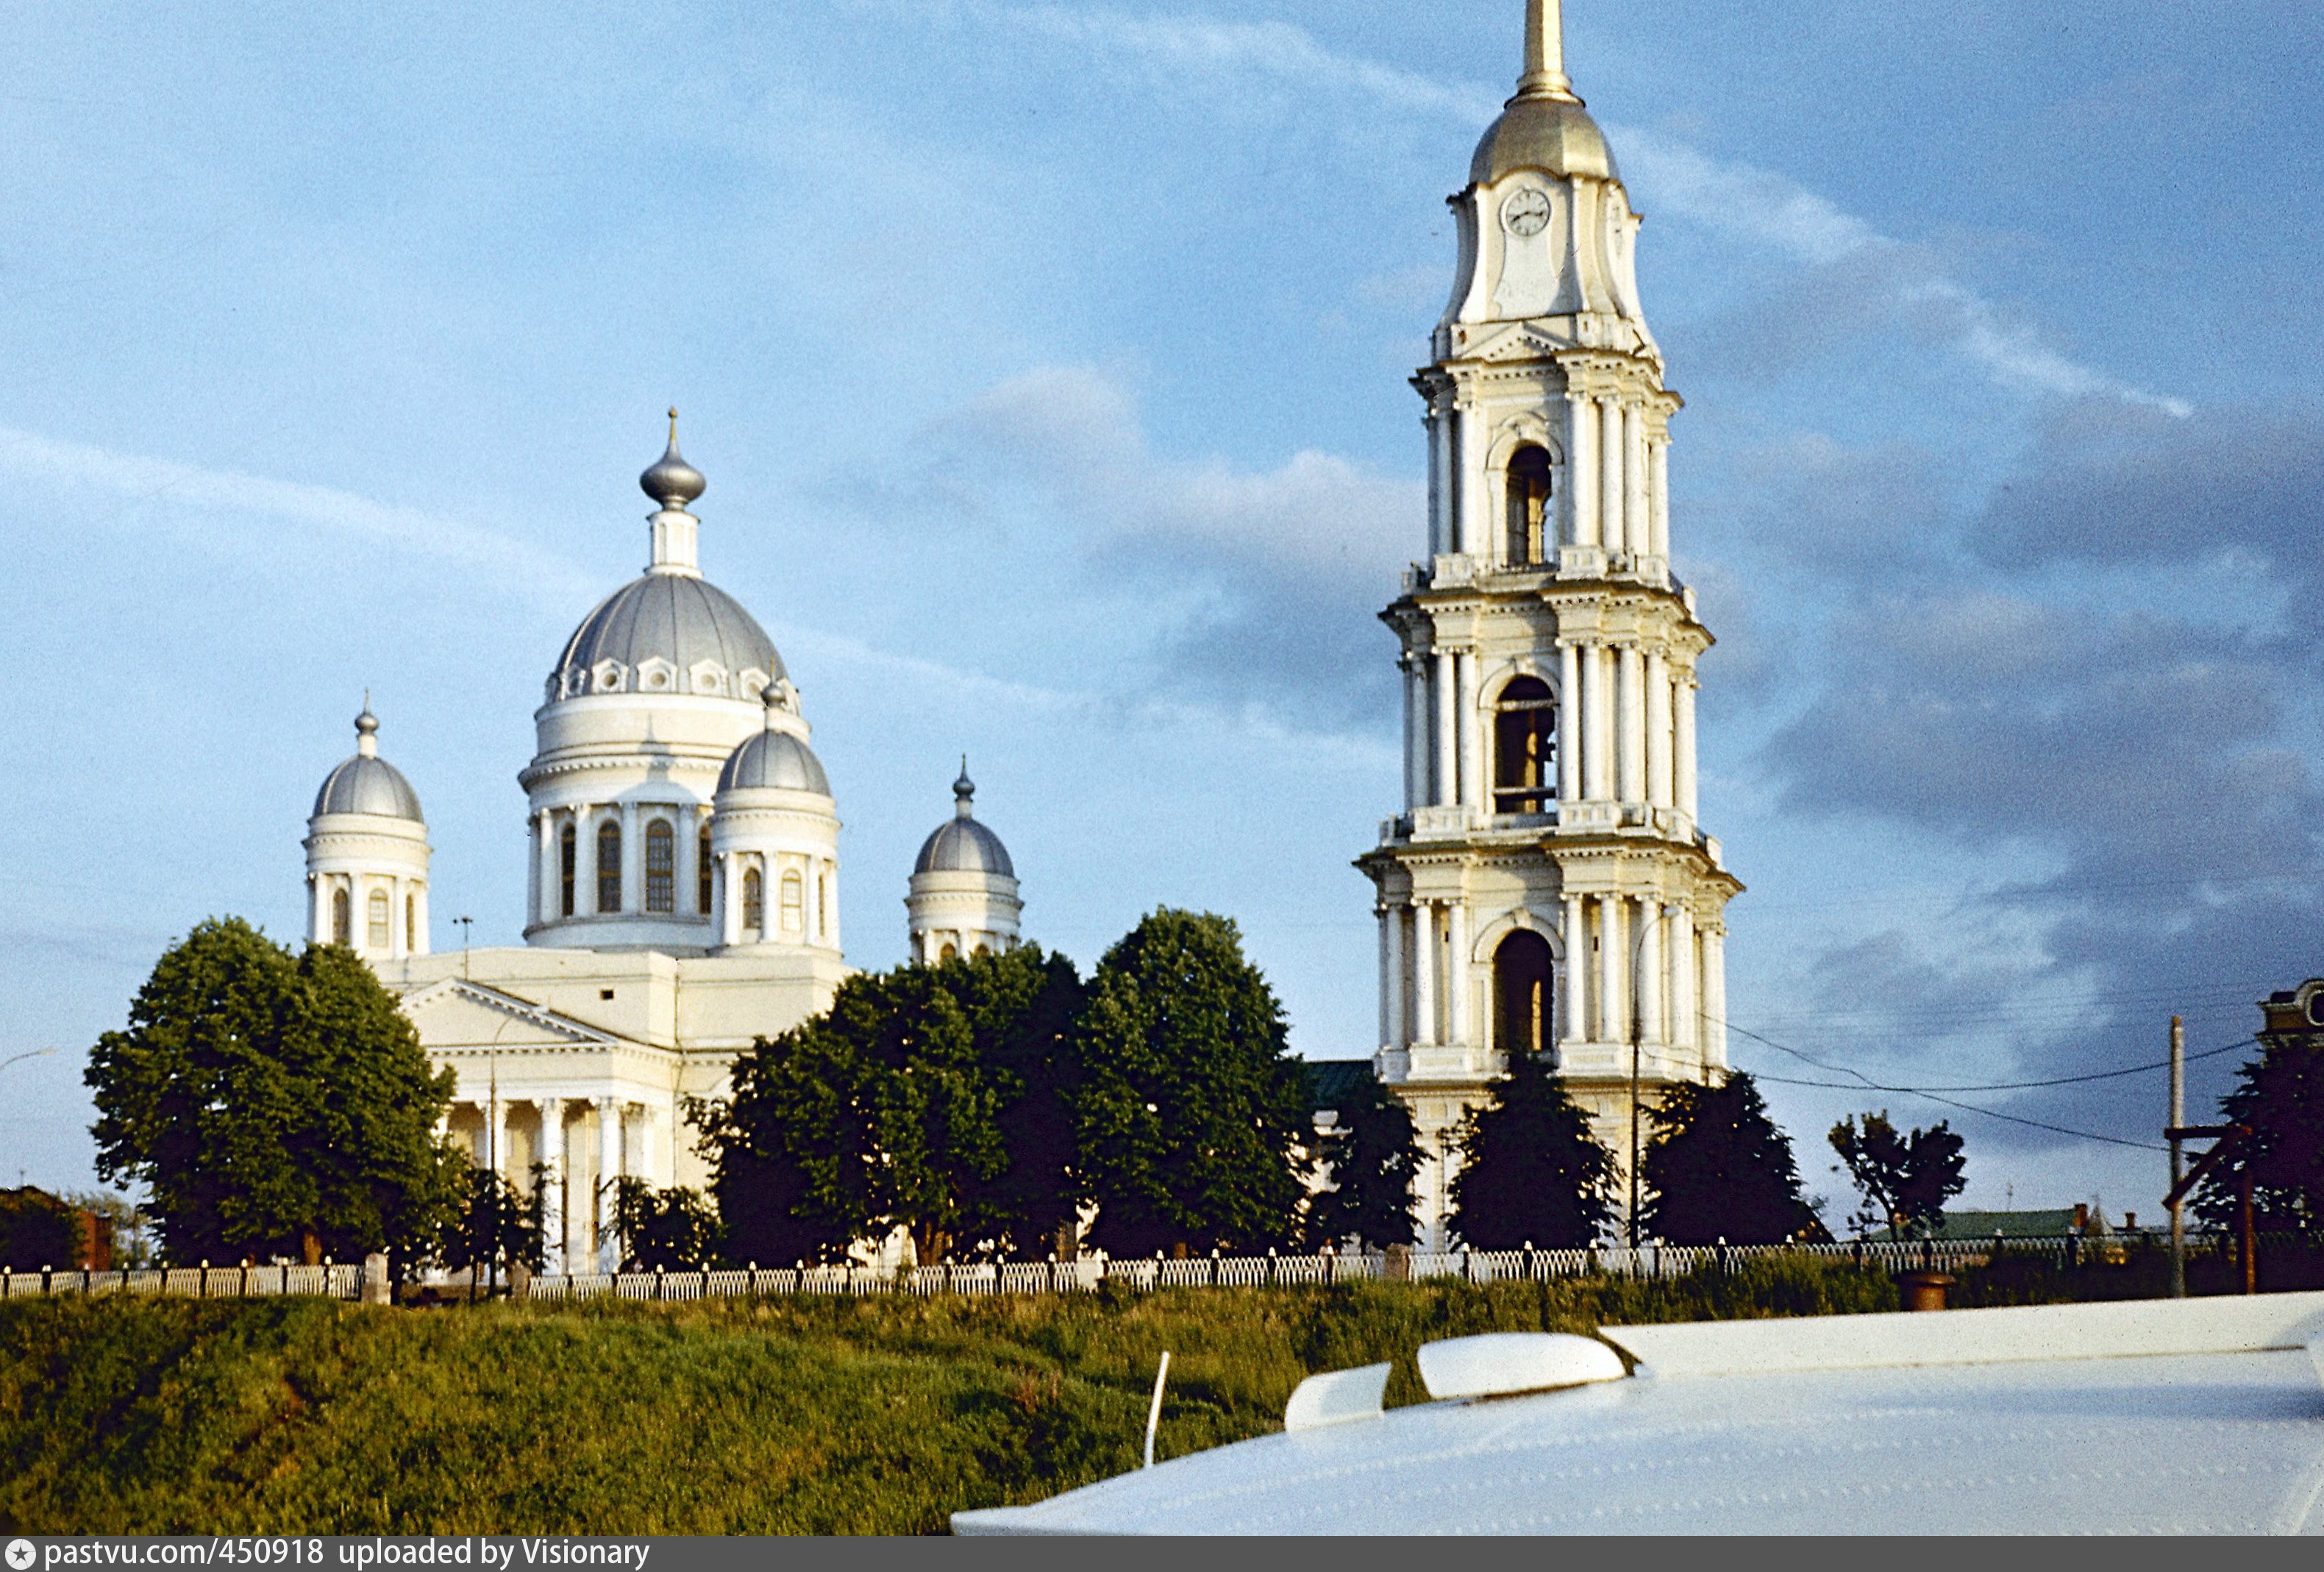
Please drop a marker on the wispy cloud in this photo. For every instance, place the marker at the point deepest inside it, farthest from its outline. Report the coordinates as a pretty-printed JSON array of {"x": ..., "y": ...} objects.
[
  {"x": 1754, "y": 205},
  {"x": 143, "y": 480}
]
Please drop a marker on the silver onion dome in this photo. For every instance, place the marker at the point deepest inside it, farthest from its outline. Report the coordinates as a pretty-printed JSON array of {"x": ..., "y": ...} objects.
[
  {"x": 367, "y": 783},
  {"x": 963, "y": 846},
  {"x": 774, "y": 758},
  {"x": 672, "y": 481}
]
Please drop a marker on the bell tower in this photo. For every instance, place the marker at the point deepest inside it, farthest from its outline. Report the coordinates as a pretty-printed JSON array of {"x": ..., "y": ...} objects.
[{"x": 1547, "y": 887}]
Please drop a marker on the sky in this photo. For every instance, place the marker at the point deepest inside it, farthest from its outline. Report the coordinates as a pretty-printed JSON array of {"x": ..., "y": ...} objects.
[{"x": 1048, "y": 361}]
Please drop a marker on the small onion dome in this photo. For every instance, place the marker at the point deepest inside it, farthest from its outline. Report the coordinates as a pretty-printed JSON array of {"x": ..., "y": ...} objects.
[
  {"x": 774, "y": 758},
  {"x": 672, "y": 481},
  {"x": 367, "y": 783},
  {"x": 1538, "y": 132},
  {"x": 963, "y": 846}
]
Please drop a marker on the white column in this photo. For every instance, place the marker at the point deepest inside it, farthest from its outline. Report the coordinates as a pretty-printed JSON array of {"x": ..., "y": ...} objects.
[
  {"x": 1681, "y": 965},
  {"x": 1595, "y": 785},
  {"x": 1658, "y": 729},
  {"x": 1468, "y": 480},
  {"x": 609, "y": 1169},
  {"x": 1630, "y": 752},
  {"x": 1581, "y": 470},
  {"x": 1423, "y": 974},
  {"x": 1440, "y": 478},
  {"x": 1613, "y": 1023},
  {"x": 318, "y": 909},
  {"x": 1577, "y": 973},
  {"x": 532, "y": 883},
  {"x": 1468, "y": 734},
  {"x": 729, "y": 894},
  {"x": 1568, "y": 741},
  {"x": 633, "y": 860},
  {"x": 552, "y": 1184},
  {"x": 1456, "y": 972},
  {"x": 1414, "y": 706},
  {"x": 1392, "y": 1011},
  {"x": 1649, "y": 983},
  {"x": 1635, "y": 527},
  {"x": 1658, "y": 497},
  {"x": 1714, "y": 997},
  {"x": 420, "y": 921},
  {"x": 1447, "y": 784},
  {"x": 831, "y": 917},
  {"x": 648, "y": 1133},
  {"x": 585, "y": 859},
  {"x": 1683, "y": 746},
  {"x": 1610, "y": 475}
]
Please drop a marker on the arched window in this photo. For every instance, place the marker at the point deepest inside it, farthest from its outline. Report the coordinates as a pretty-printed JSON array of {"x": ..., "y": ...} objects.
[
  {"x": 794, "y": 904},
  {"x": 609, "y": 866},
  {"x": 661, "y": 867},
  {"x": 568, "y": 867},
  {"x": 1525, "y": 747},
  {"x": 375, "y": 912},
  {"x": 754, "y": 902},
  {"x": 411, "y": 925},
  {"x": 703, "y": 864},
  {"x": 1523, "y": 1020},
  {"x": 947, "y": 954},
  {"x": 1531, "y": 533},
  {"x": 343, "y": 929}
]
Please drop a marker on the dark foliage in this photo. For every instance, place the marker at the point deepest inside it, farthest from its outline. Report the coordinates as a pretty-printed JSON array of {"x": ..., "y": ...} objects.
[
  {"x": 1375, "y": 1156},
  {"x": 1718, "y": 1168},
  {"x": 1531, "y": 1171},
  {"x": 274, "y": 1106},
  {"x": 2281, "y": 1099},
  {"x": 669, "y": 1230},
  {"x": 1191, "y": 1117},
  {"x": 1906, "y": 1180},
  {"x": 497, "y": 1225},
  {"x": 36, "y": 1230}
]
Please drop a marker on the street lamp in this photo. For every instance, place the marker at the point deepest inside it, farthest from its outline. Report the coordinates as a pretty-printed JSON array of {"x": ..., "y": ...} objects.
[
  {"x": 30, "y": 1053},
  {"x": 1637, "y": 1049}
]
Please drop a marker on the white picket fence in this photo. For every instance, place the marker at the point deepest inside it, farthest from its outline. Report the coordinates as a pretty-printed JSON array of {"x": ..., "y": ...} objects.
[{"x": 1081, "y": 1276}]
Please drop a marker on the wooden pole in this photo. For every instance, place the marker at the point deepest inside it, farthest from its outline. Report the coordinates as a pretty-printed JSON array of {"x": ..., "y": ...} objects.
[{"x": 2178, "y": 1159}]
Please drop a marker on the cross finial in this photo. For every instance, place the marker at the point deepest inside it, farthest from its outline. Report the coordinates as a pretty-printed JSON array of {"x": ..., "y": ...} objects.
[{"x": 1544, "y": 54}]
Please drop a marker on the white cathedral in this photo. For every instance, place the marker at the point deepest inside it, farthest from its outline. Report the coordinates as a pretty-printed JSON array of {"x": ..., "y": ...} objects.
[
  {"x": 1547, "y": 887},
  {"x": 681, "y": 900}
]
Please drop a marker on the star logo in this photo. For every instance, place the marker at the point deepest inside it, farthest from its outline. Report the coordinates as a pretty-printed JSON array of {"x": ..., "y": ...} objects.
[{"x": 21, "y": 1554}]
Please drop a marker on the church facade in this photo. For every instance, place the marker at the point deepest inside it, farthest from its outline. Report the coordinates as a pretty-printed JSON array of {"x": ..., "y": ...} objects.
[
  {"x": 682, "y": 876},
  {"x": 1547, "y": 886}
]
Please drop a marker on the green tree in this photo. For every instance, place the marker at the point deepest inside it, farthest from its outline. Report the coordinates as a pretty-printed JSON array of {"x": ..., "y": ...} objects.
[
  {"x": 273, "y": 1104},
  {"x": 1906, "y": 1180},
  {"x": 930, "y": 1098},
  {"x": 672, "y": 1230},
  {"x": 497, "y": 1224},
  {"x": 37, "y": 1230},
  {"x": 2281, "y": 1099},
  {"x": 1374, "y": 1156},
  {"x": 1531, "y": 1171},
  {"x": 1718, "y": 1168},
  {"x": 1192, "y": 1115}
]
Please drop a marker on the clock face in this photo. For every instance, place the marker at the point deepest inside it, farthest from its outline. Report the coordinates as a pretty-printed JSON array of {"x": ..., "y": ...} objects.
[{"x": 1526, "y": 213}]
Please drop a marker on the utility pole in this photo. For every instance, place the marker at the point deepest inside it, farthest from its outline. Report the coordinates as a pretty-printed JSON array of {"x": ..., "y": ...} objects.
[{"x": 2177, "y": 1159}]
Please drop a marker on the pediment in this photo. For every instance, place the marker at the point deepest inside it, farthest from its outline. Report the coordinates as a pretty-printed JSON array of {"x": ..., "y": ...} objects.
[
  {"x": 457, "y": 1013},
  {"x": 1515, "y": 341}
]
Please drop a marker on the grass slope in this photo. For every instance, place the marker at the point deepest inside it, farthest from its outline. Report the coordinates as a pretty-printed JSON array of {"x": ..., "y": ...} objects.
[{"x": 876, "y": 1415}]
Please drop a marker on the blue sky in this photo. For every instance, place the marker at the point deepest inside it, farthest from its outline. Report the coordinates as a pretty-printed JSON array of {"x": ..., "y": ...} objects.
[{"x": 1046, "y": 361}]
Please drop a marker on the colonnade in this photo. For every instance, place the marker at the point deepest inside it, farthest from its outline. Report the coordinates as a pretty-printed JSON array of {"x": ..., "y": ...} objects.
[
  {"x": 684, "y": 896},
  {"x": 406, "y": 913},
  {"x": 816, "y": 909},
  {"x": 1626, "y": 728},
  {"x": 1614, "y": 482},
  {"x": 1431, "y": 980},
  {"x": 629, "y": 1143}
]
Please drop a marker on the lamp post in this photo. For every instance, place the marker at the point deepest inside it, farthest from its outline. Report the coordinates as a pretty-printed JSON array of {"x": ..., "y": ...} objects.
[
  {"x": 28, "y": 1053},
  {"x": 1637, "y": 1052}
]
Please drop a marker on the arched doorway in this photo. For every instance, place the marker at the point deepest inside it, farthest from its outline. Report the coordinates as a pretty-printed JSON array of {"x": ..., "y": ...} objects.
[{"x": 1523, "y": 1019}]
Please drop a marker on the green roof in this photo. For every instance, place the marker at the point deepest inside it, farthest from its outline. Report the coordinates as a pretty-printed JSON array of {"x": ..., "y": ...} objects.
[{"x": 2049, "y": 1225}]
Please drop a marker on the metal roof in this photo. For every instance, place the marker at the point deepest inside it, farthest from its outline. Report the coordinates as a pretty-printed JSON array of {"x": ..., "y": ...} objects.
[
  {"x": 774, "y": 758},
  {"x": 2176, "y": 1416},
  {"x": 680, "y": 618}
]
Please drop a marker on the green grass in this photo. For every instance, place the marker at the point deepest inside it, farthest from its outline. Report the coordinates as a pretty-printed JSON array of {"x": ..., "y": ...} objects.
[{"x": 879, "y": 1415}]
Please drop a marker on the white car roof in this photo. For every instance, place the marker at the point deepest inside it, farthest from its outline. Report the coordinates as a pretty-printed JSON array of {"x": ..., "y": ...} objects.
[{"x": 2188, "y": 1416}]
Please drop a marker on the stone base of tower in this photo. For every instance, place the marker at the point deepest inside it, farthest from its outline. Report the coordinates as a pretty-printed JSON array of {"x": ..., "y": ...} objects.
[{"x": 1439, "y": 1102}]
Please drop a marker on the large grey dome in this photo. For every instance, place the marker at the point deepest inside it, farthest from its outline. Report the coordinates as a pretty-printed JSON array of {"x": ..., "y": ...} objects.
[
  {"x": 367, "y": 783},
  {"x": 963, "y": 846},
  {"x": 675, "y": 618},
  {"x": 773, "y": 758}
]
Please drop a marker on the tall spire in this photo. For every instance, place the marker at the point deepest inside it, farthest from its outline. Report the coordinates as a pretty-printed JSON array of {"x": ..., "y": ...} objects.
[{"x": 1545, "y": 57}]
